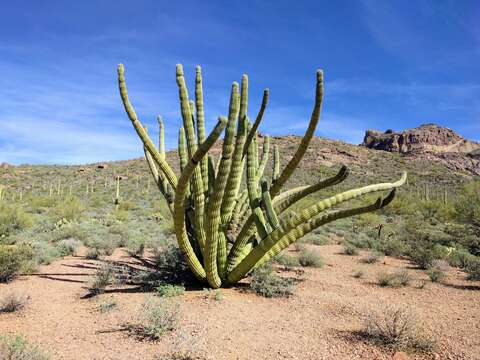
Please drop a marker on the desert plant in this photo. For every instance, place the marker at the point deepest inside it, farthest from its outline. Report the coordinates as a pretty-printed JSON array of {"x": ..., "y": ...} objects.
[
  {"x": 158, "y": 316},
  {"x": 287, "y": 260},
  {"x": 310, "y": 258},
  {"x": 473, "y": 269},
  {"x": 13, "y": 219},
  {"x": 394, "y": 279},
  {"x": 350, "y": 249},
  {"x": 436, "y": 272},
  {"x": 396, "y": 326},
  {"x": 107, "y": 305},
  {"x": 12, "y": 302},
  {"x": 372, "y": 257},
  {"x": 104, "y": 276},
  {"x": 17, "y": 348},
  {"x": 12, "y": 260},
  {"x": 169, "y": 290},
  {"x": 266, "y": 282},
  {"x": 208, "y": 205}
]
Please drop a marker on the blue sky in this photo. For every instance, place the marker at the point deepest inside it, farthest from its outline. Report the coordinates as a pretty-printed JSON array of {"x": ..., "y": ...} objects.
[{"x": 388, "y": 64}]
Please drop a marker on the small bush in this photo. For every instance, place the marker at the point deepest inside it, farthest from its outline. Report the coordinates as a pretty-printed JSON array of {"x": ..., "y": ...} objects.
[
  {"x": 316, "y": 239},
  {"x": 310, "y": 258},
  {"x": 473, "y": 269},
  {"x": 372, "y": 257},
  {"x": 396, "y": 327},
  {"x": 460, "y": 258},
  {"x": 17, "y": 348},
  {"x": 104, "y": 276},
  {"x": 12, "y": 302},
  {"x": 158, "y": 316},
  {"x": 92, "y": 254},
  {"x": 12, "y": 260},
  {"x": 287, "y": 260},
  {"x": 358, "y": 274},
  {"x": 266, "y": 283},
  {"x": 436, "y": 272},
  {"x": 107, "y": 306},
  {"x": 169, "y": 290},
  {"x": 67, "y": 247},
  {"x": 70, "y": 209},
  {"x": 393, "y": 247},
  {"x": 13, "y": 219},
  {"x": 350, "y": 249},
  {"x": 210, "y": 294},
  {"x": 396, "y": 279}
]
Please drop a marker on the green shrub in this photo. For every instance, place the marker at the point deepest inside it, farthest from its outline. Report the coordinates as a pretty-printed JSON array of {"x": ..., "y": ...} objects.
[
  {"x": 107, "y": 305},
  {"x": 350, "y": 249},
  {"x": 266, "y": 283},
  {"x": 287, "y": 260},
  {"x": 13, "y": 219},
  {"x": 169, "y": 290},
  {"x": 395, "y": 279},
  {"x": 473, "y": 269},
  {"x": 67, "y": 247},
  {"x": 372, "y": 257},
  {"x": 103, "y": 277},
  {"x": 70, "y": 209},
  {"x": 397, "y": 327},
  {"x": 17, "y": 348},
  {"x": 92, "y": 254},
  {"x": 12, "y": 260},
  {"x": 158, "y": 316},
  {"x": 12, "y": 302},
  {"x": 310, "y": 258},
  {"x": 316, "y": 239},
  {"x": 393, "y": 246},
  {"x": 460, "y": 258},
  {"x": 436, "y": 272}
]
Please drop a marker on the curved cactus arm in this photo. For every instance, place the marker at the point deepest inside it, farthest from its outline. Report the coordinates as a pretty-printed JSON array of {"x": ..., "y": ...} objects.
[
  {"x": 295, "y": 196},
  {"x": 179, "y": 205},
  {"x": 256, "y": 124},
  {"x": 161, "y": 137},
  {"x": 271, "y": 246},
  {"x": 211, "y": 176},
  {"x": 162, "y": 183},
  {"x": 200, "y": 120},
  {"x": 216, "y": 241},
  {"x": 147, "y": 142},
  {"x": 309, "y": 226},
  {"x": 237, "y": 164},
  {"x": 302, "y": 148},
  {"x": 268, "y": 206},
  {"x": 304, "y": 216}
]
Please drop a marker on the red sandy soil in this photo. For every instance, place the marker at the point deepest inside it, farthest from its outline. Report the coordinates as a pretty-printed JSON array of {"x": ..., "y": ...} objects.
[{"x": 319, "y": 322}]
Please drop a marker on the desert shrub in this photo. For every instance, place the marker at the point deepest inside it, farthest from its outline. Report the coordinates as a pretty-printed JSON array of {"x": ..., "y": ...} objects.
[
  {"x": 287, "y": 260},
  {"x": 70, "y": 209},
  {"x": 396, "y": 326},
  {"x": 372, "y": 257},
  {"x": 436, "y": 272},
  {"x": 12, "y": 260},
  {"x": 473, "y": 269},
  {"x": 127, "y": 205},
  {"x": 170, "y": 260},
  {"x": 394, "y": 279},
  {"x": 70, "y": 231},
  {"x": 299, "y": 246},
  {"x": 169, "y": 290},
  {"x": 12, "y": 302},
  {"x": 316, "y": 239},
  {"x": 136, "y": 245},
  {"x": 310, "y": 258},
  {"x": 43, "y": 252},
  {"x": 187, "y": 347},
  {"x": 92, "y": 254},
  {"x": 359, "y": 273},
  {"x": 460, "y": 258},
  {"x": 266, "y": 282},
  {"x": 392, "y": 246},
  {"x": 107, "y": 305},
  {"x": 368, "y": 219},
  {"x": 13, "y": 219},
  {"x": 104, "y": 276},
  {"x": 350, "y": 249},
  {"x": 67, "y": 247},
  {"x": 17, "y": 348},
  {"x": 157, "y": 317},
  {"x": 120, "y": 215}
]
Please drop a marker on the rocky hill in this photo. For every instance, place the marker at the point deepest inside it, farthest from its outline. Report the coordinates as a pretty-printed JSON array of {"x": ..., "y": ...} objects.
[{"x": 429, "y": 142}]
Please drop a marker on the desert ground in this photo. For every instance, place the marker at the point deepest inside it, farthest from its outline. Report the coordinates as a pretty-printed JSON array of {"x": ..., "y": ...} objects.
[{"x": 322, "y": 320}]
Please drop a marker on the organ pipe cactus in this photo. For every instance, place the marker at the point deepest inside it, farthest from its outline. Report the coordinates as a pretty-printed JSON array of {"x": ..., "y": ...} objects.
[{"x": 224, "y": 228}]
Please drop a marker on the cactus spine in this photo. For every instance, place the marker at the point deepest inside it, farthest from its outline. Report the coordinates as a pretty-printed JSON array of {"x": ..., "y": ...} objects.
[{"x": 210, "y": 208}]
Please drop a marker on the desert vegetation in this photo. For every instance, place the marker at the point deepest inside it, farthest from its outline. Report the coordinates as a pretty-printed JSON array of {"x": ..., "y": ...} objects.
[{"x": 143, "y": 245}]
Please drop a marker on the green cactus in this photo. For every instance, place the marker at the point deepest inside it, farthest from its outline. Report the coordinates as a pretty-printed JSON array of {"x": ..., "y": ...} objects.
[{"x": 226, "y": 227}]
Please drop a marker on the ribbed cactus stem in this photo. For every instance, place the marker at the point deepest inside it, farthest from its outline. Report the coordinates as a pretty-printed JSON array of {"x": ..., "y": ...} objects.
[
  {"x": 200, "y": 112},
  {"x": 257, "y": 122},
  {"x": 161, "y": 137},
  {"x": 276, "y": 163}
]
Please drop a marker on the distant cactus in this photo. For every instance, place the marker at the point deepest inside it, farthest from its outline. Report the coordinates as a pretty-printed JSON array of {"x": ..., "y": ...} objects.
[{"x": 223, "y": 229}]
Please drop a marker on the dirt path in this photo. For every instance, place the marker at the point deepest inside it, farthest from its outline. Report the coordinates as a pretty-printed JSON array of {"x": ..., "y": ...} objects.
[{"x": 319, "y": 322}]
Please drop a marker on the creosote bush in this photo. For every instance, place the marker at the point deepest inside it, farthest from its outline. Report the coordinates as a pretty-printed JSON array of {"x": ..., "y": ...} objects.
[
  {"x": 397, "y": 327},
  {"x": 17, "y": 348},
  {"x": 224, "y": 229},
  {"x": 158, "y": 316},
  {"x": 266, "y": 282}
]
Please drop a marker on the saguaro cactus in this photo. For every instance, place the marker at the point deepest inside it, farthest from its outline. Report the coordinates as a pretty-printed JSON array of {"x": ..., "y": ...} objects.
[{"x": 223, "y": 230}]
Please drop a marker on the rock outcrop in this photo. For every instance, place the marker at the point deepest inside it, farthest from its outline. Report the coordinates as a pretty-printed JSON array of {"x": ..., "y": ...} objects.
[{"x": 425, "y": 138}]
